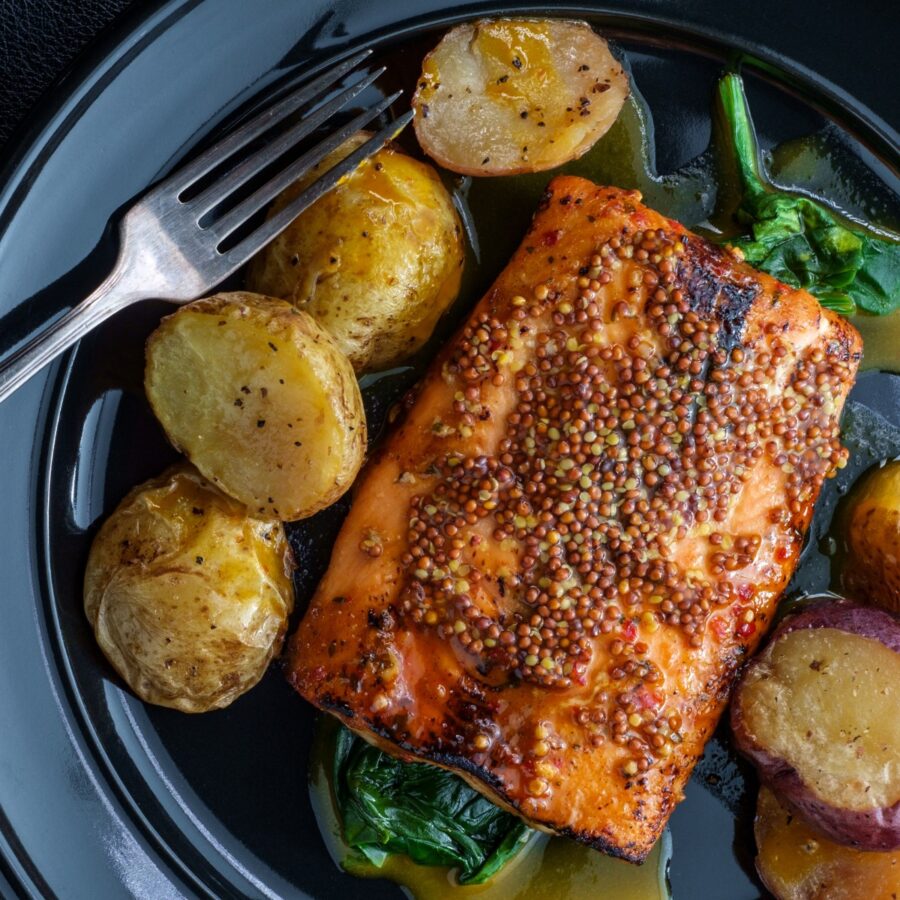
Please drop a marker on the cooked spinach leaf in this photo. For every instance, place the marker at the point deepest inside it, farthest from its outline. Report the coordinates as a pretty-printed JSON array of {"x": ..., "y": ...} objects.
[
  {"x": 800, "y": 241},
  {"x": 389, "y": 806}
]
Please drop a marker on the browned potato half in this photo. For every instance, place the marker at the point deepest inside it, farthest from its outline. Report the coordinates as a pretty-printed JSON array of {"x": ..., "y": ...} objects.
[
  {"x": 261, "y": 400},
  {"x": 818, "y": 712},
  {"x": 872, "y": 570},
  {"x": 505, "y": 96},
  {"x": 796, "y": 862},
  {"x": 187, "y": 593},
  {"x": 376, "y": 261}
]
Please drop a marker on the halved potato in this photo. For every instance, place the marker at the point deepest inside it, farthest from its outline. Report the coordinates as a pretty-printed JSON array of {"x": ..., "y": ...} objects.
[
  {"x": 187, "y": 593},
  {"x": 376, "y": 261},
  {"x": 818, "y": 712},
  {"x": 796, "y": 862},
  {"x": 505, "y": 96},
  {"x": 872, "y": 570},
  {"x": 260, "y": 399}
]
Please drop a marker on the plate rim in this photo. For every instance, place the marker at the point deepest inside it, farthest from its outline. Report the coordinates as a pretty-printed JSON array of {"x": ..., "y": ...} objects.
[{"x": 82, "y": 82}]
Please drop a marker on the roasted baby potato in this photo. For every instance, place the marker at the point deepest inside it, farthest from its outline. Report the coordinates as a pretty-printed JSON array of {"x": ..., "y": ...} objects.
[
  {"x": 375, "y": 262},
  {"x": 872, "y": 570},
  {"x": 187, "y": 593},
  {"x": 261, "y": 400},
  {"x": 818, "y": 712},
  {"x": 506, "y": 96},
  {"x": 795, "y": 862}
]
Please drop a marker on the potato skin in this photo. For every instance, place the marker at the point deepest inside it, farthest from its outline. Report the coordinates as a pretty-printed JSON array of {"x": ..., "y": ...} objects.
[
  {"x": 795, "y": 862},
  {"x": 875, "y": 828},
  {"x": 261, "y": 400},
  {"x": 872, "y": 571},
  {"x": 376, "y": 261},
  {"x": 187, "y": 594}
]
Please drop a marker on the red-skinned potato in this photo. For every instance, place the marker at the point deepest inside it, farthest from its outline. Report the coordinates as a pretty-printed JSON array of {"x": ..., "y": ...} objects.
[
  {"x": 818, "y": 713},
  {"x": 506, "y": 96},
  {"x": 795, "y": 862}
]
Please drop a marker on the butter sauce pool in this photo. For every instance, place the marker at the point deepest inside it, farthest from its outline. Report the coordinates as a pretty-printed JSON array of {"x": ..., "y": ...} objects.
[{"x": 496, "y": 213}]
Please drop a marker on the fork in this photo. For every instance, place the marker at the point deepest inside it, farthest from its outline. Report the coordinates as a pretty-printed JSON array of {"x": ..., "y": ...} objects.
[{"x": 177, "y": 248}]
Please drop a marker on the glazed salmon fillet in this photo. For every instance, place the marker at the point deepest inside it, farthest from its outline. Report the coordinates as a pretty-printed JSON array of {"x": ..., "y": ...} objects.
[{"x": 582, "y": 522}]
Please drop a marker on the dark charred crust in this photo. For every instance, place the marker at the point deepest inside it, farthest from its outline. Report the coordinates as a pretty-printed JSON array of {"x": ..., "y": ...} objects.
[
  {"x": 708, "y": 273},
  {"x": 845, "y": 344},
  {"x": 433, "y": 754},
  {"x": 464, "y": 764},
  {"x": 329, "y": 703},
  {"x": 629, "y": 852},
  {"x": 732, "y": 313},
  {"x": 703, "y": 289}
]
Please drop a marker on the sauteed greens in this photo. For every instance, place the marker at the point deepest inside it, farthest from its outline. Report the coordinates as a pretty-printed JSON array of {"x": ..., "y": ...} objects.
[
  {"x": 800, "y": 241},
  {"x": 388, "y": 806}
]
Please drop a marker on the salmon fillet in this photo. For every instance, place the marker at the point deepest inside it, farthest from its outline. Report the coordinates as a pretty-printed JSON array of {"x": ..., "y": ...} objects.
[{"x": 579, "y": 528}]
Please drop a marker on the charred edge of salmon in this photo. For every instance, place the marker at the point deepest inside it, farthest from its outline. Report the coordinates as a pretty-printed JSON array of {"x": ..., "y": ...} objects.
[
  {"x": 435, "y": 754},
  {"x": 846, "y": 342},
  {"x": 480, "y": 778},
  {"x": 708, "y": 271}
]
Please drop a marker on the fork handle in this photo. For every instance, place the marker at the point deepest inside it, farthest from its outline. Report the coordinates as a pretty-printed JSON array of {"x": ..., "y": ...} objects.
[{"x": 111, "y": 295}]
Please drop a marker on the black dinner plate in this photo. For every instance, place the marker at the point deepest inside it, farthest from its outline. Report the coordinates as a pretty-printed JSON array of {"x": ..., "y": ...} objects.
[{"x": 102, "y": 796}]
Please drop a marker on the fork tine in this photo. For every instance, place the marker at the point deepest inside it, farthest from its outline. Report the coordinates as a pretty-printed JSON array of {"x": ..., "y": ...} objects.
[
  {"x": 273, "y": 226},
  {"x": 255, "y": 163},
  {"x": 235, "y": 217},
  {"x": 184, "y": 177}
]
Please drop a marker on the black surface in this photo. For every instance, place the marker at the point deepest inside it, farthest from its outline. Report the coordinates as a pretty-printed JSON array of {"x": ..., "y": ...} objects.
[
  {"x": 39, "y": 39},
  {"x": 100, "y": 795}
]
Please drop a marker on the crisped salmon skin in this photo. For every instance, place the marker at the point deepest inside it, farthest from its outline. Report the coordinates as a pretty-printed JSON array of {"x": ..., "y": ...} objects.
[{"x": 580, "y": 527}]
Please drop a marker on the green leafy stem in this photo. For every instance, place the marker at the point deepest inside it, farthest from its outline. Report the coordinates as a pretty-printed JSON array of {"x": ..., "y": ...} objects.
[{"x": 800, "y": 241}]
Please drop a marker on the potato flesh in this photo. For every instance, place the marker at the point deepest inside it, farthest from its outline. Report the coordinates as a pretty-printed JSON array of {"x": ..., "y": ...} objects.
[
  {"x": 507, "y": 96},
  {"x": 797, "y": 863},
  {"x": 822, "y": 702},
  {"x": 376, "y": 261},
  {"x": 187, "y": 594},
  {"x": 261, "y": 401},
  {"x": 872, "y": 570}
]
